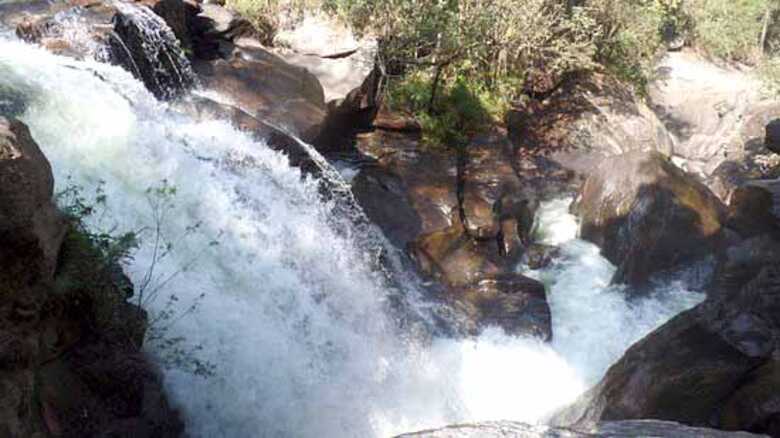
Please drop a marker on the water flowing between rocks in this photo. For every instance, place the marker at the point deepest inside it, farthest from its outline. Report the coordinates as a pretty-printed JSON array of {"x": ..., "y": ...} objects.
[{"x": 298, "y": 321}]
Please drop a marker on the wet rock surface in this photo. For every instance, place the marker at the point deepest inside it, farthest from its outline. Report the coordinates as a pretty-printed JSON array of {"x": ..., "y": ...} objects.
[
  {"x": 710, "y": 366},
  {"x": 70, "y": 359},
  {"x": 648, "y": 216}
]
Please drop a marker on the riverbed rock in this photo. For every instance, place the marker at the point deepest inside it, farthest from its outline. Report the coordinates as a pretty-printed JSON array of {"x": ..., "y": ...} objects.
[
  {"x": 70, "y": 358},
  {"x": 648, "y": 216},
  {"x": 751, "y": 211},
  {"x": 585, "y": 120},
  {"x": 406, "y": 189},
  {"x": 714, "y": 365},
  {"x": 772, "y": 137},
  {"x": 492, "y": 192},
  {"x": 513, "y": 302},
  {"x": 612, "y": 429},
  {"x": 31, "y": 227},
  {"x": 266, "y": 87},
  {"x": 454, "y": 258}
]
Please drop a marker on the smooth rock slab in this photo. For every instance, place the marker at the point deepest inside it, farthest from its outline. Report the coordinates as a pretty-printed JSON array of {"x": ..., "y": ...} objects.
[{"x": 618, "y": 429}]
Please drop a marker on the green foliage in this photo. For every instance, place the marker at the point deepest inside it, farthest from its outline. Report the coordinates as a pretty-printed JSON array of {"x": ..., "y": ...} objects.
[
  {"x": 270, "y": 16},
  {"x": 730, "y": 29},
  {"x": 462, "y": 108},
  {"x": 91, "y": 273}
]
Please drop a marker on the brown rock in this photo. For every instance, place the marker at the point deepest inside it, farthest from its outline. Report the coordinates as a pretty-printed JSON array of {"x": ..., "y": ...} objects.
[
  {"x": 31, "y": 227},
  {"x": 713, "y": 365},
  {"x": 264, "y": 86},
  {"x": 648, "y": 216},
  {"x": 751, "y": 211},
  {"x": 408, "y": 191},
  {"x": 513, "y": 302}
]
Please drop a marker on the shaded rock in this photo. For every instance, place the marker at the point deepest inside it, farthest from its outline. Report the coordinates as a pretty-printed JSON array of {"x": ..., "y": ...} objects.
[
  {"x": 263, "y": 85},
  {"x": 613, "y": 429},
  {"x": 754, "y": 405},
  {"x": 70, "y": 360},
  {"x": 648, "y": 216},
  {"x": 31, "y": 227},
  {"x": 214, "y": 28},
  {"x": 513, "y": 302},
  {"x": 751, "y": 211},
  {"x": 454, "y": 258},
  {"x": 539, "y": 256},
  {"x": 701, "y": 368},
  {"x": 385, "y": 199},
  {"x": 772, "y": 137},
  {"x": 143, "y": 44},
  {"x": 585, "y": 120},
  {"x": 491, "y": 190},
  {"x": 408, "y": 190},
  {"x": 742, "y": 262},
  {"x": 180, "y": 17}
]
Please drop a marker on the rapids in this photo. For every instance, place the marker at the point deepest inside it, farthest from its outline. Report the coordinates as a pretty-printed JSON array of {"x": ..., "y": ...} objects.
[{"x": 297, "y": 321}]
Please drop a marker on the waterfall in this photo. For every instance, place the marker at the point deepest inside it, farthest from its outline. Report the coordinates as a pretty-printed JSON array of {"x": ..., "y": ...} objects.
[
  {"x": 300, "y": 324},
  {"x": 142, "y": 43}
]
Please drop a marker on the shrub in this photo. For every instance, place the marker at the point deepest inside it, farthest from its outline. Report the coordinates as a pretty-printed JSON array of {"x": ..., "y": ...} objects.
[
  {"x": 90, "y": 275},
  {"x": 270, "y": 16},
  {"x": 731, "y": 29}
]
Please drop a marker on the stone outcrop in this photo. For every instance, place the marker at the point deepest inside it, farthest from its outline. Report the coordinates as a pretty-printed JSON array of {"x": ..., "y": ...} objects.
[
  {"x": 126, "y": 34},
  {"x": 464, "y": 217},
  {"x": 266, "y": 87},
  {"x": 584, "y": 120},
  {"x": 70, "y": 359},
  {"x": 648, "y": 216},
  {"x": 31, "y": 227},
  {"x": 715, "y": 365}
]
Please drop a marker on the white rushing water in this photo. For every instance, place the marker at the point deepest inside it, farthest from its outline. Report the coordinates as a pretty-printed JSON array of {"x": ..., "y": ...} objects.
[{"x": 293, "y": 317}]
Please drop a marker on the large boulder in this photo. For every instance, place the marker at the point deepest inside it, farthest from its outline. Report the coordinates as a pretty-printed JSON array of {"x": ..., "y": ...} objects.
[
  {"x": 143, "y": 44},
  {"x": 515, "y": 303},
  {"x": 495, "y": 203},
  {"x": 583, "y": 121},
  {"x": 463, "y": 217},
  {"x": 704, "y": 106},
  {"x": 70, "y": 359},
  {"x": 31, "y": 227},
  {"x": 751, "y": 210},
  {"x": 772, "y": 136},
  {"x": 715, "y": 365},
  {"x": 612, "y": 429},
  {"x": 648, "y": 216},
  {"x": 406, "y": 190},
  {"x": 266, "y": 87}
]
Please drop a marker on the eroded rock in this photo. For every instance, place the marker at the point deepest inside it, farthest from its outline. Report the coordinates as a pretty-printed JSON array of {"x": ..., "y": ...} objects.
[
  {"x": 710, "y": 366},
  {"x": 648, "y": 216},
  {"x": 31, "y": 227}
]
